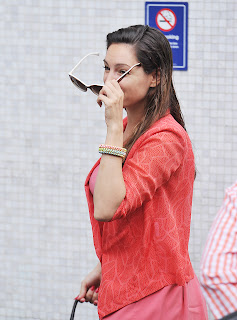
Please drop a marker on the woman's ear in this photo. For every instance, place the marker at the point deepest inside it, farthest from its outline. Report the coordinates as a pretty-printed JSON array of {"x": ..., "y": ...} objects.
[{"x": 155, "y": 78}]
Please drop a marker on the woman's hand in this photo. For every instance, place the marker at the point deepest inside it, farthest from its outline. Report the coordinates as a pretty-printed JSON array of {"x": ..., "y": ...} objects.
[
  {"x": 90, "y": 286},
  {"x": 112, "y": 96}
]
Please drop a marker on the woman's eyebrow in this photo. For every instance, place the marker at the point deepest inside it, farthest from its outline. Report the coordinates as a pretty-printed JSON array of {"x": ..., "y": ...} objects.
[{"x": 117, "y": 64}]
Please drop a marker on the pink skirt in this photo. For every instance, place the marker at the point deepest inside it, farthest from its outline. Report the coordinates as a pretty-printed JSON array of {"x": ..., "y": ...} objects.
[{"x": 170, "y": 303}]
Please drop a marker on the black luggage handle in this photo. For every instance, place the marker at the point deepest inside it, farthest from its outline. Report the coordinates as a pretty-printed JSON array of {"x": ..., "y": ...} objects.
[{"x": 74, "y": 309}]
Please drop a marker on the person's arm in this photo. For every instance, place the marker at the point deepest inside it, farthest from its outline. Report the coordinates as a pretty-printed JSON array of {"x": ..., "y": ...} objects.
[
  {"x": 218, "y": 268},
  {"x": 110, "y": 187},
  {"x": 153, "y": 163}
]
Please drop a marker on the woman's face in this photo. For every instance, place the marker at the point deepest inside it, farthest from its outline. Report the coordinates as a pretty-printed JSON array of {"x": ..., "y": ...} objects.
[{"x": 135, "y": 85}]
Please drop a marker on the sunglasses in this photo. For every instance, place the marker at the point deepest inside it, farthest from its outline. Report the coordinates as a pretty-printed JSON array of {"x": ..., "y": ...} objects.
[{"x": 95, "y": 88}]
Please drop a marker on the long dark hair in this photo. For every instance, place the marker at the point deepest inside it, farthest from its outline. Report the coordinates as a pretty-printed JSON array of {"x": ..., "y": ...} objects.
[{"x": 154, "y": 53}]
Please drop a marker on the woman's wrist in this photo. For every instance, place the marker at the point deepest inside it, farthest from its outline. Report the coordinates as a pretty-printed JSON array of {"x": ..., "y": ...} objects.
[
  {"x": 114, "y": 135},
  {"x": 98, "y": 269}
]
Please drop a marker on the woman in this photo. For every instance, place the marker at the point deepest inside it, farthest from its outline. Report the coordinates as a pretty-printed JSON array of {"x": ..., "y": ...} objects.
[{"x": 140, "y": 198}]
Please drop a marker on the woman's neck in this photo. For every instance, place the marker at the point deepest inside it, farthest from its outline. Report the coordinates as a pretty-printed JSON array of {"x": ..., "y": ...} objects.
[{"x": 134, "y": 117}]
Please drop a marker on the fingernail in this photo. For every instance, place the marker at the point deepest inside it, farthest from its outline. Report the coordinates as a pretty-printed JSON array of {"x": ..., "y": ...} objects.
[
  {"x": 95, "y": 302},
  {"x": 97, "y": 290},
  {"x": 77, "y": 298},
  {"x": 92, "y": 288}
]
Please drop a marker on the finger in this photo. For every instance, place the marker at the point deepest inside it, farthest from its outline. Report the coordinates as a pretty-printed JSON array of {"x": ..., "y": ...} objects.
[
  {"x": 80, "y": 299},
  {"x": 95, "y": 298},
  {"x": 103, "y": 93},
  {"x": 95, "y": 301},
  {"x": 102, "y": 98},
  {"x": 82, "y": 294},
  {"x": 99, "y": 102},
  {"x": 114, "y": 86},
  {"x": 89, "y": 294},
  {"x": 108, "y": 90}
]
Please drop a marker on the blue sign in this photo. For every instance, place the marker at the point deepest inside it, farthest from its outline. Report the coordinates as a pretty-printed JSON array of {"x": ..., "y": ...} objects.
[{"x": 171, "y": 18}]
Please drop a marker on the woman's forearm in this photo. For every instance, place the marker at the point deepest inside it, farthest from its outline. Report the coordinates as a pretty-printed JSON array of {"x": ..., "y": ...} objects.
[{"x": 110, "y": 187}]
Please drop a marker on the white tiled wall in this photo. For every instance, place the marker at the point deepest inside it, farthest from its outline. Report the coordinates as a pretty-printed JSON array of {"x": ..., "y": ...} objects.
[{"x": 50, "y": 132}]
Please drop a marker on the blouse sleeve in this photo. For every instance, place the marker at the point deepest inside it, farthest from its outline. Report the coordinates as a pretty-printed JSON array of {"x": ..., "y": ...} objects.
[{"x": 151, "y": 165}]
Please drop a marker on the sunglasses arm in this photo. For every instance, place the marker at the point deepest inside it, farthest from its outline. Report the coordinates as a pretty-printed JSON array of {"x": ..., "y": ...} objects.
[
  {"x": 125, "y": 73},
  {"x": 92, "y": 53}
]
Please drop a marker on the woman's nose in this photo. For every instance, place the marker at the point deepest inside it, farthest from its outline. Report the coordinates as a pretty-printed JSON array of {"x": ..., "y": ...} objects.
[{"x": 110, "y": 76}]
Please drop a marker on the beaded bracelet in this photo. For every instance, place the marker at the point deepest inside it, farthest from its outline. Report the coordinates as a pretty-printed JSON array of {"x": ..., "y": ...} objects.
[{"x": 114, "y": 151}]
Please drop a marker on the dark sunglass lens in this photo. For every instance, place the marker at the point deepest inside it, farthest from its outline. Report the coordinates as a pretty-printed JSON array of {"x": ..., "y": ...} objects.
[
  {"x": 78, "y": 84},
  {"x": 96, "y": 89}
]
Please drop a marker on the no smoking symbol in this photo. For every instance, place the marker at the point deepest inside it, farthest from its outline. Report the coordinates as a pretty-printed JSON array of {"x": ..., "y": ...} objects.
[{"x": 166, "y": 20}]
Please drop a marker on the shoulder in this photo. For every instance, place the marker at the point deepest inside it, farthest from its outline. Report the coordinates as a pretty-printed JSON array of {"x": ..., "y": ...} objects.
[
  {"x": 165, "y": 139},
  {"x": 231, "y": 193},
  {"x": 232, "y": 189},
  {"x": 167, "y": 123},
  {"x": 166, "y": 129}
]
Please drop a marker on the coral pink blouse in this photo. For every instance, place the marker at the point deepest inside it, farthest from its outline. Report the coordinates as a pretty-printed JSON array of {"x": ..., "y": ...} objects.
[{"x": 145, "y": 246}]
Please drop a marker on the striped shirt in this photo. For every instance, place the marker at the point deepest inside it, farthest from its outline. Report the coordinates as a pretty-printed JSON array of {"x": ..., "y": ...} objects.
[{"x": 219, "y": 261}]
